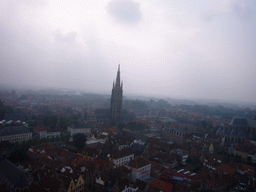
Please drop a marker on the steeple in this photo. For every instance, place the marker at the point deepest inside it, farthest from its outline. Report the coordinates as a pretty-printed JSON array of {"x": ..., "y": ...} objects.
[
  {"x": 118, "y": 77},
  {"x": 116, "y": 100}
]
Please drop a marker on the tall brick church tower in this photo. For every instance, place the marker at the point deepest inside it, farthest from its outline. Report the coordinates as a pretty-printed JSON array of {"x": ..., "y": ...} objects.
[{"x": 116, "y": 100}]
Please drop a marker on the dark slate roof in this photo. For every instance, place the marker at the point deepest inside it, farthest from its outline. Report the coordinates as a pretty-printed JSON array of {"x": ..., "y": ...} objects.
[
  {"x": 242, "y": 121},
  {"x": 239, "y": 121},
  {"x": 13, "y": 174},
  {"x": 15, "y": 130},
  {"x": 251, "y": 122},
  {"x": 233, "y": 132},
  {"x": 121, "y": 154}
]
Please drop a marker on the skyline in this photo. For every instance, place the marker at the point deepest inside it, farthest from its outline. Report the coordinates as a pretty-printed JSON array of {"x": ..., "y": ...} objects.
[{"x": 170, "y": 49}]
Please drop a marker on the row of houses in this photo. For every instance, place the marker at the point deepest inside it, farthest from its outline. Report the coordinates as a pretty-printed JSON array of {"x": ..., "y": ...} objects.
[{"x": 21, "y": 133}]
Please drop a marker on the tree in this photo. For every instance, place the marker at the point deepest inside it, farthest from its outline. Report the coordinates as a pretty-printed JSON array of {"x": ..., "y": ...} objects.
[
  {"x": 79, "y": 140},
  {"x": 51, "y": 121},
  {"x": 4, "y": 109},
  {"x": 63, "y": 122}
]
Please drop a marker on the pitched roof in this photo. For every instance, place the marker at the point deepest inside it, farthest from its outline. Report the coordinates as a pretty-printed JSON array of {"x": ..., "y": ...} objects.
[
  {"x": 228, "y": 169},
  {"x": 138, "y": 163},
  {"x": 15, "y": 130},
  {"x": 40, "y": 128},
  {"x": 155, "y": 165},
  {"x": 13, "y": 174},
  {"x": 51, "y": 183},
  {"x": 120, "y": 154},
  {"x": 161, "y": 185}
]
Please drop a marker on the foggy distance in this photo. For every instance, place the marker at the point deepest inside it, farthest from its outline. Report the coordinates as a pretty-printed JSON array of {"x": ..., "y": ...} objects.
[{"x": 180, "y": 49}]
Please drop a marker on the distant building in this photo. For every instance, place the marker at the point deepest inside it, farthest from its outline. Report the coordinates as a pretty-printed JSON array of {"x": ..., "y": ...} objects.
[
  {"x": 116, "y": 100},
  {"x": 74, "y": 129},
  {"x": 140, "y": 169},
  {"x": 175, "y": 134},
  {"x": 41, "y": 132},
  {"x": 238, "y": 130},
  {"x": 44, "y": 132},
  {"x": 121, "y": 157},
  {"x": 15, "y": 134},
  {"x": 182, "y": 156}
]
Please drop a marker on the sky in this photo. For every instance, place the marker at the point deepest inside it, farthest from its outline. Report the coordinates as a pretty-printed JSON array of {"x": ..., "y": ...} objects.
[{"x": 170, "y": 48}]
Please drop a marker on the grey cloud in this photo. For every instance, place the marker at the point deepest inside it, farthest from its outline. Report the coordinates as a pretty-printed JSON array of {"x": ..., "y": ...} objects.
[
  {"x": 69, "y": 37},
  {"x": 125, "y": 11},
  {"x": 242, "y": 9},
  {"x": 208, "y": 17}
]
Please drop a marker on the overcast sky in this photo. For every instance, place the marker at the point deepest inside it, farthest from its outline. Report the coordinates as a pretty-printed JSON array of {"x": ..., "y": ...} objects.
[{"x": 175, "y": 48}]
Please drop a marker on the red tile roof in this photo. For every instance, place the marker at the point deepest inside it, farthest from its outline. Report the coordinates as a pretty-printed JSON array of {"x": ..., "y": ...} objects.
[
  {"x": 210, "y": 184},
  {"x": 228, "y": 169},
  {"x": 138, "y": 163},
  {"x": 155, "y": 165},
  {"x": 40, "y": 128},
  {"x": 161, "y": 185}
]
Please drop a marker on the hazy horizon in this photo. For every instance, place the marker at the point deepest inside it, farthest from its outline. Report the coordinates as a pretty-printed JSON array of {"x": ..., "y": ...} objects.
[
  {"x": 174, "y": 49},
  {"x": 185, "y": 100}
]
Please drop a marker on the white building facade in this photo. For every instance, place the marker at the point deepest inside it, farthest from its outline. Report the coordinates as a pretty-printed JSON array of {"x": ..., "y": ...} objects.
[
  {"x": 15, "y": 134},
  {"x": 79, "y": 129},
  {"x": 140, "y": 169}
]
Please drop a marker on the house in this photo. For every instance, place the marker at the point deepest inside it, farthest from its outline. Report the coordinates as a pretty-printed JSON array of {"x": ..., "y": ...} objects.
[
  {"x": 50, "y": 183},
  {"x": 155, "y": 167},
  {"x": 166, "y": 159},
  {"x": 141, "y": 169},
  {"x": 175, "y": 134},
  {"x": 76, "y": 185},
  {"x": 13, "y": 178},
  {"x": 89, "y": 153},
  {"x": 245, "y": 169},
  {"x": 182, "y": 156},
  {"x": 121, "y": 157},
  {"x": 157, "y": 186},
  {"x": 123, "y": 186},
  {"x": 74, "y": 129},
  {"x": 41, "y": 132},
  {"x": 15, "y": 134},
  {"x": 227, "y": 169},
  {"x": 44, "y": 132},
  {"x": 53, "y": 133}
]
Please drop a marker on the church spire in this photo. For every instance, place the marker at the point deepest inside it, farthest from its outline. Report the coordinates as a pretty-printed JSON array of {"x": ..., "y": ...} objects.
[
  {"x": 116, "y": 100},
  {"x": 118, "y": 77}
]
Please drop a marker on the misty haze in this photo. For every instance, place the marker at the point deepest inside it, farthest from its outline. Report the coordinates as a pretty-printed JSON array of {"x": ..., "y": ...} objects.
[
  {"x": 174, "y": 49},
  {"x": 127, "y": 95}
]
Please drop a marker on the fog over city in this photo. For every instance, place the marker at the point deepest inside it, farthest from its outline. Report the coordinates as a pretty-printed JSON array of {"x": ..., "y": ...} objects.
[{"x": 187, "y": 49}]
